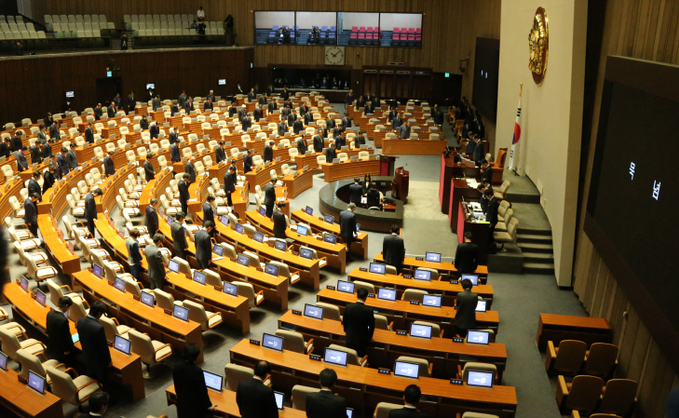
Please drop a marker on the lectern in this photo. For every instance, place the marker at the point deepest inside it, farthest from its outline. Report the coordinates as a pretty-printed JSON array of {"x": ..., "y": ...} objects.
[{"x": 400, "y": 185}]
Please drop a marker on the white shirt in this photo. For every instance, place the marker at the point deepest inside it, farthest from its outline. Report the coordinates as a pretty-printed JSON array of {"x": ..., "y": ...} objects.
[{"x": 200, "y": 14}]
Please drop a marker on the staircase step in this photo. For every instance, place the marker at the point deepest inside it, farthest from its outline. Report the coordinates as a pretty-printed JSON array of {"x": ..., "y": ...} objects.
[
  {"x": 538, "y": 257},
  {"x": 536, "y": 239},
  {"x": 538, "y": 268},
  {"x": 536, "y": 247},
  {"x": 547, "y": 232}
]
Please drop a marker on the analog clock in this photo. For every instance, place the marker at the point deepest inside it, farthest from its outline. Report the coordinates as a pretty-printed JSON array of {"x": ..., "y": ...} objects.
[{"x": 334, "y": 55}]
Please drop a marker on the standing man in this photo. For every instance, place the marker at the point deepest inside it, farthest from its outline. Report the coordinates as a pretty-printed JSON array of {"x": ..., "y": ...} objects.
[
  {"x": 359, "y": 323},
  {"x": 318, "y": 143},
  {"x": 193, "y": 400},
  {"x": 34, "y": 186},
  {"x": 347, "y": 221},
  {"x": 175, "y": 156},
  {"x": 247, "y": 162},
  {"x": 256, "y": 400},
  {"x": 230, "y": 184},
  {"x": 174, "y": 136},
  {"x": 393, "y": 249},
  {"x": 355, "y": 191},
  {"x": 330, "y": 153},
  {"x": 59, "y": 343},
  {"x": 465, "y": 317},
  {"x": 397, "y": 121},
  {"x": 220, "y": 153},
  {"x": 404, "y": 130},
  {"x": 411, "y": 396},
  {"x": 131, "y": 102},
  {"x": 91, "y": 209},
  {"x": 109, "y": 167},
  {"x": 47, "y": 149},
  {"x": 204, "y": 245},
  {"x": 487, "y": 170},
  {"x": 325, "y": 404},
  {"x": 149, "y": 171},
  {"x": 50, "y": 176},
  {"x": 72, "y": 158},
  {"x": 152, "y": 216},
  {"x": 156, "y": 262},
  {"x": 268, "y": 152},
  {"x": 183, "y": 186},
  {"x": 190, "y": 169},
  {"x": 156, "y": 103},
  {"x": 301, "y": 146},
  {"x": 31, "y": 213},
  {"x": 251, "y": 95},
  {"x": 348, "y": 99},
  {"x": 209, "y": 211},
  {"x": 479, "y": 153},
  {"x": 89, "y": 133},
  {"x": 95, "y": 349},
  {"x": 179, "y": 242},
  {"x": 16, "y": 140},
  {"x": 467, "y": 255},
  {"x": 280, "y": 221},
  {"x": 36, "y": 154},
  {"x": 61, "y": 161},
  {"x": 22, "y": 163},
  {"x": 133, "y": 254},
  {"x": 270, "y": 196}
]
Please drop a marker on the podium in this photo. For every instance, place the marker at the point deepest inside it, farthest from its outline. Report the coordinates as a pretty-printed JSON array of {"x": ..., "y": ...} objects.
[
  {"x": 400, "y": 185},
  {"x": 387, "y": 165}
]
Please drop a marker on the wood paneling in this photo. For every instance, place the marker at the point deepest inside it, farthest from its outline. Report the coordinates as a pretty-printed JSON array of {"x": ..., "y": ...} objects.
[{"x": 645, "y": 29}]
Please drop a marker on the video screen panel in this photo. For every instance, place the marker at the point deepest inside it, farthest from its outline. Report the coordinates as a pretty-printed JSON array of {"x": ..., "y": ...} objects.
[
  {"x": 353, "y": 24},
  {"x": 486, "y": 68},
  {"x": 401, "y": 29},
  {"x": 274, "y": 27},
  {"x": 316, "y": 28}
]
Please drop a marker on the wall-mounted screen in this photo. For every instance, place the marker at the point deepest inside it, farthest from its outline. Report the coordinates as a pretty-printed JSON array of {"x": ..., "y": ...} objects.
[
  {"x": 401, "y": 29},
  {"x": 355, "y": 26},
  {"x": 274, "y": 27},
  {"x": 316, "y": 28}
]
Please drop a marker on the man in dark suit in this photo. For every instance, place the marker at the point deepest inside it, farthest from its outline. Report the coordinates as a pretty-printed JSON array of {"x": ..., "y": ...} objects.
[
  {"x": 301, "y": 146},
  {"x": 349, "y": 99},
  {"x": 230, "y": 181},
  {"x": 282, "y": 127},
  {"x": 397, "y": 122},
  {"x": 154, "y": 130},
  {"x": 59, "y": 343},
  {"x": 111, "y": 110},
  {"x": 359, "y": 323},
  {"x": 109, "y": 167},
  {"x": 308, "y": 118},
  {"x": 89, "y": 133},
  {"x": 285, "y": 94},
  {"x": 209, "y": 210},
  {"x": 254, "y": 399},
  {"x": 318, "y": 143},
  {"x": 220, "y": 153},
  {"x": 491, "y": 216},
  {"x": 31, "y": 213},
  {"x": 437, "y": 115},
  {"x": 411, "y": 396},
  {"x": 251, "y": 95},
  {"x": 156, "y": 261},
  {"x": 71, "y": 157},
  {"x": 330, "y": 153},
  {"x": 188, "y": 105},
  {"x": 487, "y": 171},
  {"x": 179, "y": 242},
  {"x": 181, "y": 100},
  {"x": 204, "y": 245},
  {"x": 144, "y": 123},
  {"x": 152, "y": 216},
  {"x": 247, "y": 162},
  {"x": 280, "y": 221},
  {"x": 270, "y": 196},
  {"x": 22, "y": 163},
  {"x": 292, "y": 117},
  {"x": 272, "y": 106},
  {"x": 393, "y": 249},
  {"x": 467, "y": 255},
  {"x": 117, "y": 102},
  {"x": 208, "y": 105},
  {"x": 262, "y": 100},
  {"x": 98, "y": 112},
  {"x": 149, "y": 171},
  {"x": 267, "y": 155},
  {"x": 297, "y": 126},
  {"x": 156, "y": 103},
  {"x": 340, "y": 140},
  {"x": 91, "y": 209},
  {"x": 242, "y": 112},
  {"x": 175, "y": 156},
  {"x": 404, "y": 130},
  {"x": 325, "y": 404},
  {"x": 190, "y": 169},
  {"x": 50, "y": 177},
  {"x": 193, "y": 400},
  {"x": 36, "y": 155},
  {"x": 98, "y": 403},
  {"x": 465, "y": 317},
  {"x": 245, "y": 122},
  {"x": 184, "y": 196},
  {"x": 47, "y": 149},
  {"x": 269, "y": 90},
  {"x": 239, "y": 89},
  {"x": 53, "y": 131},
  {"x": 355, "y": 191},
  {"x": 347, "y": 221},
  {"x": 95, "y": 351},
  {"x": 61, "y": 161},
  {"x": 471, "y": 145},
  {"x": 258, "y": 113},
  {"x": 16, "y": 141},
  {"x": 174, "y": 136},
  {"x": 131, "y": 102},
  {"x": 479, "y": 151},
  {"x": 34, "y": 186}
]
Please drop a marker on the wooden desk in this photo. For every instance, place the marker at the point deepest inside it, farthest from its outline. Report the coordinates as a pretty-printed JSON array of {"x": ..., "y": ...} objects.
[
  {"x": 8, "y": 189},
  {"x": 304, "y": 180},
  {"x": 24, "y": 401},
  {"x": 386, "y": 346},
  {"x": 564, "y": 327},
  {"x": 403, "y": 313},
  {"x": 364, "y": 387},
  {"x": 350, "y": 169},
  {"x": 127, "y": 370},
  {"x": 318, "y": 225},
  {"x": 413, "y": 146},
  {"x": 459, "y": 189},
  {"x": 445, "y": 269},
  {"x": 262, "y": 175},
  {"x": 68, "y": 261},
  {"x": 450, "y": 170}
]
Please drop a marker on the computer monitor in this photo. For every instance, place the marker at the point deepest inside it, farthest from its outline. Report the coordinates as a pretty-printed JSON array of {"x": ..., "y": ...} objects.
[
  {"x": 70, "y": 94},
  {"x": 97, "y": 270},
  {"x": 481, "y": 379},
  {"x": 181, "y": 312},
  {"x": 306, "y": 253},
  {"x": 329, "y": 219},
  {"x": 431, "y": 300},
  {"x": 271, "y": 269},
  {"x": 280, "y": 245},
  {"x": 279, "y": 396},
  {"x": 224, "y": 220},
  {"x": 239, "y": 228},
  {"x": 173, "y": 266},
  {"x": 221, "y": 82},
  {"x": 147, "y": 299},
  {"x": 301, "y": 230},
  {"x": 309, "y": 211},
  {"x": 272, "y": 341},
  {"x": 230, "y": 289},
  {"x": 36, "y": 382},
  {"x": 23, "y": 282},
  {"x": 169, "y": 220},
  {"x": 258, "y": 237},
  {"x": 213, "y": 381},
  {"x": 421, "y": 331},
  {"x": 478, "y": 337},
  {"x": 335, "y": 357},
  {"x": 122, "y": 344},
  {"x": 3, "y": 361},
  {"x": 386, "y": 294},
  {"x": 474, "y": 278},
  {"x": 75, "y": 338},
  {"x": 262, "y": 211},
  {"x": 422, "y": 275},
  {"x": 40, "y": 297},
  {"x": 330, "y": 238},
  {"x": 119, "y": 284},
  {"x": 243, "y": 260},
  {"x": 405, "y": 369},
  {"x": 218, "y": 250},
  {"x": 358, "y": 227},
  {"x": 350, "y": 413},
  {"x": 199, "y": 277},
  {"x": 150, "y": 86},
  {"x": 378, "y": 268},
  {"x": 313, "y": 311},
  {"x": 481, "y": 306},
  {"x": 433, "y": 257},
  {"x": 346, "y": 287}
]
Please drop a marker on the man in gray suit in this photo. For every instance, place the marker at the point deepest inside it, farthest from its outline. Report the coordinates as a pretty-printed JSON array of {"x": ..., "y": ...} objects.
[
  {"x": 91, "y": 209},
  {"x": 179, "y": 242},
  {"x": 404, "y": 130},
  {"x": 156, "y": 103},
  {"x": 204, "y": 245},
  {"x": 190, "y": 169},
  {"x": 71, "y": 158},
  {"x": 465, "y": 317},
  {"x": 156, "y": 262}
]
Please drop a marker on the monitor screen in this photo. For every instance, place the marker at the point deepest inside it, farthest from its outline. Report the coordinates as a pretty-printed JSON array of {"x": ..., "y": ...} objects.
[
  {"x": 346, "y": 287},
  {"x": 239, "y": 228},
  {"x": 199, "y": 277},
  {"x": 23, "y": 282},
  {"x": 218, "y": 250},
  {"x": 309, "y": 211},
  {"x": 224, "y": 220},
  {"x": 329, "y": 219},
  {"x": 36, "y": 382},
  {"x": 422, "y": 331},
  {"x": 335, "y": 357},
  {"x": 358, "y": 227},
  {"x": 147, "y": 299},
  {"x": 301, "y": 230},
  {"x": 431, "y": 300},
  {"x": 97, "y": 270},
  {"x": 404, "y": 369},
  {"x": 386, "y": 294},
  {"x": 119, "y": 284},
  {"x": 481, "y": 306},
  {"x": 482, "y": 379},
  {"x": 262, "y": 211},
  {"x": 313, "y": 311},
  {"x": 280, "y": 245},
  {"x": 330, "y": 238},
  {"x": 3, "y": 361},
  {"x": 306, "y": 253},
  {"x": 433, "y": 257},
  {"x": 213, "y": 381},
  {"x": 243, "y": 260},
  {"x": 181, "y": 312},
  {"x": 478, "y": 337},
  {"x": 279, "y": 399},
  {"x": 230, "y": 289},
  {"x": 173, "y": 266},
  {"x": 40, "y": 297},
  {"x": 350, "y": 413},
  {"x": 378, "y": 268},
  {"x": 258, "y": 237},
  {"x": 150, "y": 86},
  {"x": 422, "y": 275},
  {"x": 474, "y": 278},
  {"x": 75, "y": 338},
  {"x": 121, "y": 344},
  {"x": 221, "y": 82},
  {"x": 272, "y": 341},
  {"x": 70, "y": 94}
]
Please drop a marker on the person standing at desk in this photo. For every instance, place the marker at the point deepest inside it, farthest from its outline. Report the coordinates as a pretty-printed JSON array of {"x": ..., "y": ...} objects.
[
  {"x": 156, "y": 262},
  {"x": 184, "y": 196},
  {"x": 109, "y": 167},
  {"x": 393, "y": 249},
  {"x": 355, "y": 191},
  {"x": 31, "y": 214},
  {"x": 230, "y": 185},
  {"x": 330, "y": 153},
  {"x": 318, "y": 143},
  {"x": 61, "y": 161},
  {"x": 491, "y": 216},
  {"x": 91, "y": 209},
  {"x": 268, "y": 152},
  {"x": 133, "y": 254},
  {"x": 193, "y": 400},
  {"x": 411, "y": 396},
  {"x": 34, "y": 186},
  {"x": 72, "y": 158},
  {"x": 179, "y": 242},
  {"x": 95, "y": 349},
  {"x": 280, "y": 221},
  {"x": 59, "y": 343},
  {"x": 347, "y": 221},
  {"x": 404, "y": 130},
  {"x": 467, "y": 255},
  {"x": 247, "y": 162},
  {"x": 204, "y": 245},
  {"x": 152, "y": 216},
  {"x": 209, "y": 210},
  {"x": 302, "y": 146},
  {"x": 149, "y": 171},
  {"x": 22, "y": 163},
  {"x": 220, "y": 152},
  {"x": 270, "y": 196},
  {"x": 374, "y": 198},
  {"x": 190, "y": 169},
  {"x": 50, "y": 177},
  {"x": 487, "y": 171},
  {"x": 325, "y": 404},
  {"x": 359, "y": 323},
  {"x": 349, "y": 99},
  {"x": 367, "y": 182},
  {"x": 254, "y": 399},
  {"x": 89, "y": 133},
  {"x": 174, "y": 136},
  {"x": 465, "y": 317},
  {"x": 175, "y": 156}
]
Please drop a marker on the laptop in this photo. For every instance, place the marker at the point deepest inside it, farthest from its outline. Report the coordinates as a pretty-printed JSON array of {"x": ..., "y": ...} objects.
[
  {"x": 36, "y": 382},
  {"x": 173, "y": 266},
  {"x": 271, "y": 269},
  {"x": 346, "y": 287},
  {"x": 405, "y": 369},
  {"x": 478, "y": 337},
  {"x": 279, "y": 396},
  {"x": 213, "y": 381},
  {"x": 230, "y": 289},
  {"x": 480, "y": 379},
  {"x": 147, "y": 299},
  {"x": 23, "y": 282},
  {"x": 329, "y": 219},
  {"x": 433, "y": 257},
  {"x": 431, "y": 300},
  {"x": 313, "y": 311},
  {"x": 97, "y": 270},
  {"x": 309, "y": 211},
  {"x": 378, "y": 268},
  {"x": 330, "y": 238},
  {"x": 181, "y": 312},
  {"x": 301, "y": 230},
  {"x": 386, "y": 294},
  {"x": 272, "y": 341},
  {"x": 3, "y": 361},
  {"x": 481, "y": 306},
  {"x": 422, "y": 275},
  {"x": 40, "y": 297},
  {"x": 243, "y": 260},
  {"x": 258, "y": 237},
  {"x": 306, "y": 253},
  {"x": 218, "y": 251},
  {"x": 421, "y": 331},
  {"x": 280, "y": 245},
  {"x": 122, "y": 344},
  {"x": 474, "y": 278},
  {"x": 199, "y": 277},
  {"x": 262, "y": 211},
  {"x": 239, "y": 228},
  {"x": 335, "y": 357},
  {"x": 119, "y": 284}
]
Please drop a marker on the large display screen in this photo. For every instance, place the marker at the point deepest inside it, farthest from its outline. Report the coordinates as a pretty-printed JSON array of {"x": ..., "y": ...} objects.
[{"x": 486, "y": 66}]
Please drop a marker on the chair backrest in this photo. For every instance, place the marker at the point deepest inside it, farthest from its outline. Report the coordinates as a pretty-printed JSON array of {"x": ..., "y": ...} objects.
[
  {"x": 330, "y": 311},
  {"x": 383, "y": 409},
  {"x": 76, "y": 311},
  {"x": 110, "y": 327},
  {"x": 248, "y": 291},
  {"x": 619, "y": 396},
  {"x": 422, "y": 363},
  {"x": 292, "y": 340},
  {"x": 352, "y": 355},
  {"x": 358, "y": 284},
  {"x": 299, "y": 393},
  {"x": 10, "y": 343},
  {"x": 600, "y": 359},
  {"x": 197, "y": 313},
  {"x": 235, "y": 374},
  {"x": 63, "y": 386},
  {"x": 585, "y": 392},
  {"x": 414, "y": 294},
  {"x": 164, "y": 300},
  {"x": 142, "y": 345},
  {"x": 570, "y": 356},
  {"x": 475, "y": 366},
  {"x": 381, "y": 322},
  {"x": 435, "y": 328},
  {"x": 29, "y": 362}
]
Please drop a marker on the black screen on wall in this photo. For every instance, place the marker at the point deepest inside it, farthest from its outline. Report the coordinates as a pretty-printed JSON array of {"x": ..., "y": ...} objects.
[{"x": 486, "y": 65}]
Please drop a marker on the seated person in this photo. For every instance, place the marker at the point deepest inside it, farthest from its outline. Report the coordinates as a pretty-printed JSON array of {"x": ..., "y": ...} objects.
[{"x": 374, "y": 197}]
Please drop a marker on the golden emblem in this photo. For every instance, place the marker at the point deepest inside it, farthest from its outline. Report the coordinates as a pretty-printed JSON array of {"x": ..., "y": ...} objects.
[{"x": 538, "y": 41}]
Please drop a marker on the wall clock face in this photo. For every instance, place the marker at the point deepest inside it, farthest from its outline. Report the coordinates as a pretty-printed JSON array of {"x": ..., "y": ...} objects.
[
  {"x": 334, "y": 55},
  {"x": 538, "y": 41}
]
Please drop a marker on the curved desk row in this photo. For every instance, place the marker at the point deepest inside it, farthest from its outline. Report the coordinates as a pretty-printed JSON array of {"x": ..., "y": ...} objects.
[
  {"x": 319, "y": 225},
  {"x": 445, "y": 269},
  {"x": 414, "y": 146}
]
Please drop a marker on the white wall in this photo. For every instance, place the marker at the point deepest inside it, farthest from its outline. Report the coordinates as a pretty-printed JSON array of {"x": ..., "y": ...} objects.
[
  {"x": 360, "y": 19},
  {"x": 267, "y": 20},
  {"x": 551, "y": 121},
  {"x": 307, "y": 20},
  {"x": 389, "y": 21}
]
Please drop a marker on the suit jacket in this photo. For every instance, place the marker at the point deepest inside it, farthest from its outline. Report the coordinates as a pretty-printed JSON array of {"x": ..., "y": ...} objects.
[
  {"x": 272, "y": 106},
  {"x": 178, "y": 237},
  {"x": 258, "y": 113},
  {"x": 229, "y": 183},
  {"x": 285, "y": 94},
  {"x": 282, "y": 128},
  {"x": 48, "y": 182},
  {"x": 396, "y": 122},
  {"x": 347, "y": 221},
  {"x": 488, "y": 174},
  {"x": 183, "y": 191},
  {"x": 220, "y": 154},
  {"x": 156, "y": 104},
  {"x": 330, "y": 154},
  {"x": 192, "y": 397},
  {"x": 466, "y": 257},
  {"x": 407, "y": 413},
  {"x": 174, "y": 137},
  {"x": 42, "y": 137},
  {"x": 89, "y": 135},
  {"x": 111, "y": 112},
  {"x": 36, "y": 155},
  {"x": 30, "y": 211},
  {"x": 95, "y": 350},
  {"x": 109, "y": 168},
  {"x": 54, "y": 132},
  {"x": 34, "y": 187},
  {"x": 182, "y": 99},
  {"x": 46, "y": 150},
  {"x": 478, "y": 153},
  {"x": 269, "y": 194},
  {"x": 471, "y": 146},
  {"x": 22, "y": 163},
  {"x": 302, "y": 146},
  {"x": 291, "y": 119},
  {"x": 325, "y": 404},
  {"x": 63, "y": 166},
  {"x": 174, "y": 153},
  {"x": 404, "y": 132},
  {"x": 133, "y": 254},
  {"x": 465, "y": 317},
  {"x": 318, "y": 143},
  {"x": 151, "y": 220},
  {"x": 268, "y": 154},
  {"x": 208, "y": 213},
  {"x": 355, "y": 191},
  {"x": 297, "y": 126},
  {"x": 491, "y": 216},
  {"x": 340, "y": 141},
  {"x": 59, "y": 335},
  {"x": 191, "y": 171},
  {"x": 203, "y": 247},
  {"x": 251, "y": 97},
  {"x": 262, "y": 100},
  {"x": 255, "y": 400},
  {"x": 154, "y": 130},
  {"x": 393, "y": 250},
  {"x": 188, "y": 106},
  {"x": 98, "y": 113},
  {"x": 208, "y": 106},
  {"x": 71, "y": 159},
  {"x": 329, "y": 123},
  {"x": 359, "y": 325},
  {"x": 149, "y": 171},
  {"x": 90, "y": 207},
  {"x": 16, "y": 143},
  {"x": 247, "y": 164},
  {"x": 280, "y": 224},
  {"x": 155, "y": 260}
]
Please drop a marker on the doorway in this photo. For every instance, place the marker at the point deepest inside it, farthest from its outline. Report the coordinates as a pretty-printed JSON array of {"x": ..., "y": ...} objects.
[{"x": 107, "y": 88}]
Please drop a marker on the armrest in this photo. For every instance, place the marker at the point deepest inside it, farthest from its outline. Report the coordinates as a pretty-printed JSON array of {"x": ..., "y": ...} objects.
[
  {"x": 364, "y": 361},
  {"x": 576, "y": 414},
  {"x": 391, "y": 326},
  {"x": 212, "y": 315},
  {"x": 561, "y": 391},
  {"x": 431, "y": 365},
  {"x": 86, "y": 385},
  {"x": 261, "y": 292},
  {"x": 440, "y": 335},
  {"x": 13, "y": 325},
  {"x": 71, "y": 372},
  {"x": 115, "y": 320},
  {"x": 160, "y": 348},
  {"x": 34, "y": 343},
  {"x": 550, "y": 355},
  {"x": 67, "y": 287},
  {"x": 267, "y": 380},
  {"x": 459, "y": 371}
]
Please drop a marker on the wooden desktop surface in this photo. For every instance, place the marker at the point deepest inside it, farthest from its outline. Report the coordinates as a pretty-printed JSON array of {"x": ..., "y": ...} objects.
[
  {"x": 304, "y": 180},
  {"x": 318, "y": 225},
  {"x": 444, "y": 268},
  {"x": 68, "y": 261},
  {"x": 350, "y": 169},
  {"x": 414, "y": 146},
  {"x": 24, "y": 401},
  {"x": 562, "y": 327}
]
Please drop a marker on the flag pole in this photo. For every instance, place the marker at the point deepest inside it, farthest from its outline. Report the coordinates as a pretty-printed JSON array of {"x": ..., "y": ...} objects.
[{"x": 516, "y": 135}]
